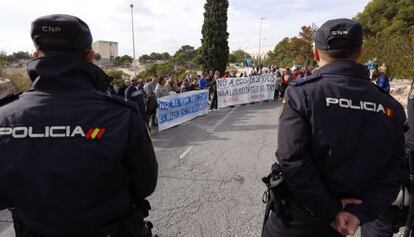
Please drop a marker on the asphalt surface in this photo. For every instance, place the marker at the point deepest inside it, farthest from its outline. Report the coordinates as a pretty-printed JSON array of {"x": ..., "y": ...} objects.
[{"x": 210, "y": 172}]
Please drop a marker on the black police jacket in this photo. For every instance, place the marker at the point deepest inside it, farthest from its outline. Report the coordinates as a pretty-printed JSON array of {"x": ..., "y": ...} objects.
[
  {"x": 341, "y": 137},
  {"x": 410, "y": 121},
  {"x": 72, "y": 158}
]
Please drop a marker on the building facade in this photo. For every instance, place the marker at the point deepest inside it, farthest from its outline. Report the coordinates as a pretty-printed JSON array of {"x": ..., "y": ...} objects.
[{"x": 107, "y": 49}]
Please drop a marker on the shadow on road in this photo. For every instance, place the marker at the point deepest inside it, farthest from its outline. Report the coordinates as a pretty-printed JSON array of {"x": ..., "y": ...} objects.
[{"x": 203, "y": 129}]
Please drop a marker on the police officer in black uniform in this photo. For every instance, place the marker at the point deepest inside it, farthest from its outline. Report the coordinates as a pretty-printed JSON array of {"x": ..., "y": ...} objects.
[
  {"x": 74, "y": 161},
  {"x": 340, "y": 145}
]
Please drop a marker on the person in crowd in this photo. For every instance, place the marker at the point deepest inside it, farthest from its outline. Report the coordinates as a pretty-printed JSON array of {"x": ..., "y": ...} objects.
[
  {"x": 161, "y": 90},
  {"x": 202, "y": 84},
  {"x": 213, "y": 87},
  {"x": 140, "y": 85},
  {"x": 110, "y": 89},
  {"x": 152, "y": 104},
  {"x": 136, "y": 94},
  {"x": 333, "y": 182},
  {"x": 172, "y": 85},
  {"x": 372, "y": 67},
  {"x": 383, "y": 80},
  {"x": 194, "y": 83},
  {"x": 286, "y": 79},
  {"x": 121, "y": 91},
  {"x": 87, "y": 163},
  {"x": 186, "y": 85}
]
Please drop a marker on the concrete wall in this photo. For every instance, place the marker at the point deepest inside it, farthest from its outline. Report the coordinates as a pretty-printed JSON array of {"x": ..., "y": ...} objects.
[{"x": 107, "y": 49}]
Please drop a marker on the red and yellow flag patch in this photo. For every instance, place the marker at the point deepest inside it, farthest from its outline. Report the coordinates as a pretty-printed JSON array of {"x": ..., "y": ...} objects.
[{"x": 95, "y": 133}]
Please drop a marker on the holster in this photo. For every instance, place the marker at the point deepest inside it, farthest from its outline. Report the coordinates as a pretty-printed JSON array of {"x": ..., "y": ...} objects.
[
  {"x": 274, "y": 195},
  {"x": 135, "y": 225}
]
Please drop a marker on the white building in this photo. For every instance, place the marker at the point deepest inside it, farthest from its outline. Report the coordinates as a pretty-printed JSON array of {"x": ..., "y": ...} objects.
[{"x": 107, "y": 49}]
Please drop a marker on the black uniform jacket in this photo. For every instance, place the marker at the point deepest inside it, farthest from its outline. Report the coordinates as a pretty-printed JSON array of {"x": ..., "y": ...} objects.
[
  {"x": 410, "y": 112},
  {"x": 341, "y": 137},
  {"x": 72, "y": 158}
]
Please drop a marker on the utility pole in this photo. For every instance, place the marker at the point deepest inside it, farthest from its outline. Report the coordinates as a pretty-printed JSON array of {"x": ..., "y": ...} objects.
[
  {"x": 260, "y": 41},
  {"x": 133, "y": 37}
]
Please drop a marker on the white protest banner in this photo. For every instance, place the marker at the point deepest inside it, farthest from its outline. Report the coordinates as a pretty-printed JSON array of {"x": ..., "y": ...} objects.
[
  {"x": 177, "y": 109},
  {"x": 244, "y": 90}
]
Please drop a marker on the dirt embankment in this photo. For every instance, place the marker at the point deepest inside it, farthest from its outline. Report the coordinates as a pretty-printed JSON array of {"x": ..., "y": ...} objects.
[
  {"x": 400, "y": 90},
  {"x": 6, "y": 87}
]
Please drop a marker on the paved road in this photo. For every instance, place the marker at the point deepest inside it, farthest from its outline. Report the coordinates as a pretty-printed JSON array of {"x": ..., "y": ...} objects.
[{"x": 210, "y": 171}]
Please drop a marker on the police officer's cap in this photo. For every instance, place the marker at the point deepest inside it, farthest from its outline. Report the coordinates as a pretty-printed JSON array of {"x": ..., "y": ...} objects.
[
  {"x": 61, "y": 32},
  {"x": 339, "y": 35}
]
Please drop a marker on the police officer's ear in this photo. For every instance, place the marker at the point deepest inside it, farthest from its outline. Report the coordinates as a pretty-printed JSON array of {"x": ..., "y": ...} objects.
[
  {"x": 36, "y": 54},
  {"x": 90, "y": 55}
]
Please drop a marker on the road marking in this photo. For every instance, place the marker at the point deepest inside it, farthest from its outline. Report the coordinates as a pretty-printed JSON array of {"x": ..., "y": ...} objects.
[
  {"x": 221, "y": 121},
  {"x": 185, "y": 153}
]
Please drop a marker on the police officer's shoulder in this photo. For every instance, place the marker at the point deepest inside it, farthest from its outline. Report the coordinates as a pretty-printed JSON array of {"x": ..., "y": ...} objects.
[
  {"x": 382, "y": 91},
  {"x": 302, "y": 81},
  {"x": 10, "y": 98},
  {"x": 122, "y": 101}
]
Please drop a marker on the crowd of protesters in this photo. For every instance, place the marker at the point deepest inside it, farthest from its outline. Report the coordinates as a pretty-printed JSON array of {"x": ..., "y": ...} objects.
[
  {"x": 146, "y": 93},
  {"x": 379, "y": 75}
]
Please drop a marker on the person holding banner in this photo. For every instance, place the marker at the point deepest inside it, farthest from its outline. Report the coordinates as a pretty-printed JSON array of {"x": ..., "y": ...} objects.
[
  {"x": 213, "y": 88},
  {"x": 149, "y": 89},
  {"x": 161, "y": 90}
]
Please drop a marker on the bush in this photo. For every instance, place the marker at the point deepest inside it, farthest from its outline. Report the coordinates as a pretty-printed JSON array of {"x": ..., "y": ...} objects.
[
  {"x": 18, "y": 77},
  {"x": 117, "y": 75},
  {"x": 396, "y": 51}
]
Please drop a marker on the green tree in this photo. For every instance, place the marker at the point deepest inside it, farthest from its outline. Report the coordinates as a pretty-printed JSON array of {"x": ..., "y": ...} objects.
[
  {"x": 241, "y": 55},
  {"x": 144, "y": 59},
  {"x": 98, "y": 57},
  {"x": 295, "y": 50},
  {"x": 20, "y": 55},
  {"x": 155, "y": 56},
  {"x": 215, "y": 48},
  {"x": 389, "y": 35},
  {"x": 3, "y": 58},
  {"x": 165, "y": 56},
  {"x": 165, "y": 69},
  {"x": 124, "y": 61},
  {"x": 232, "y": 58},
  {"x": 184, "y": 56},
  {"x": 3, "y": 61},
  {"x": 387, "y": 17},
  {"x": 117, "y": 75}
]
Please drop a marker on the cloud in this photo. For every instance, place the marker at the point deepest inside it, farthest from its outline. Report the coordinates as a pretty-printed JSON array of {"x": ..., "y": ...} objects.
[{"x": 165, "y": 25}]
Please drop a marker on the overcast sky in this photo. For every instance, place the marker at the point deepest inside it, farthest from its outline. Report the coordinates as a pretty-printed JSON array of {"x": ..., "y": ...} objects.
[{"x": 165, "y": 25}]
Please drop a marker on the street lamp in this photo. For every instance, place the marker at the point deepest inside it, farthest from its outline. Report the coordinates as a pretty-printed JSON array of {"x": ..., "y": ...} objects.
[
  {"x": 133, "y": 36},
  {"x": 260, "y": 40}
]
